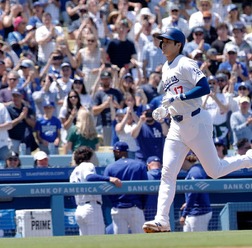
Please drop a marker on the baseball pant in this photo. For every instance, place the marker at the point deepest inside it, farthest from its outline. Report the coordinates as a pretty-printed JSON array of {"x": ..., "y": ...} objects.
[
  {"x": 193, "y": 133},
  {"x": 197, "y": 223},
  {"x": 89, "y": 218},
  {"x": 125, "y": 219}
]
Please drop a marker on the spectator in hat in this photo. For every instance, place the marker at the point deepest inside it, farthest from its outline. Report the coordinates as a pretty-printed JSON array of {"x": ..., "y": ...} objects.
[
  {"x": 175, "y": 20},
  {"x": 212, "y": 59},
  {"x": 89, "y": 59},
  {"x": 18, "y": 39},
  {"x": 237, "y": 69},
  {"x": 241, "y": 121},
  {"x": 244, "y": 53},
  {"x": 149, "y": 134},
  {"x": 106, "y": 101},
  {"x": 126, "y": 83},
  {"x": 233, "y": 15},
  {"x": 210, "y": 33},
  {"x": 246, "y": 16},
  {"x": 41, "y": 160},
  {"x": 23, "y": 123},
  {"x": 6, "y": 93},
  {"x": 48, "y": 130},
  {"x": 153, "y": 58},
  {"x": 221, "y": 148},
  {"x": 119, "y": 114},
  {"x": 5, "y": 125},
  {"x": 37, "y": 12},
  {"x": 196, "y": 19},
  {"x": 127, "y": 210},
  {"x": 12, "y": 160},
  {"x": 197, "y": 43},
  {"x": 154, "y": 168}
]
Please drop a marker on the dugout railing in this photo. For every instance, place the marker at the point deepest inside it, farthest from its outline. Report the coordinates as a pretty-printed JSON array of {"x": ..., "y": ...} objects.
[{"x": 57, "y": 191}]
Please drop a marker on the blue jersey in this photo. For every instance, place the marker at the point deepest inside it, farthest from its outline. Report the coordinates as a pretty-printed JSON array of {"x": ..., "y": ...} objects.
[
  {"x": 196, "y": 203},
  {"x": 127, "y": 169},
  {"x": 150, "y": 141}
]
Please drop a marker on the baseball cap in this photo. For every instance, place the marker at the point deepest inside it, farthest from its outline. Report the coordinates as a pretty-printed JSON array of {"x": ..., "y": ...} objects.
[
  {"x": 17, "y": 91},
  {"x": 65, "y": 64},
  {"x": 174, "y": 6},
  {"x": 78, "y": 81},
  {"x": 106, "y": 74},
  {"x": 243, "y": 84},
  {"x": 232, "y": 48},
  {"x": 153, "y": 159},
  {"x": 218, "y": 141},
  {"x": 244, "y": 99},
  {"x": 48, "y": 104},
  {"x": 211, "y": 51},
  {"x": 38, "y": 3},
  {"x": 120, "y": 112},
  {"x": 12, "y": 154},
  {"x": 147, "y": 107},
  {"x": 195, "y": 53},
  {"x": 220, "y": 76},
  {"x": 121, "y": 146},
  {"x": 17, "y": 21},
  {"x": 40, "y": 155},
  {"x": 211, "y": 78},
  {"x": 231, "y": 7},
  {"x": 127, "y": 75},
  {"x": 198, "y": 29},
  {"x": 156, "y": 31},
  {"x": 238, "y": 25},
  {"x": 27, "y": 63}
]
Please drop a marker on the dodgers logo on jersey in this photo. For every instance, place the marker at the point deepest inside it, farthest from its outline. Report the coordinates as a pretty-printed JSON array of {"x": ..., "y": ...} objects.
[
  {"x": 169, "y": 82},
  {"x": 197, "y": 71}
]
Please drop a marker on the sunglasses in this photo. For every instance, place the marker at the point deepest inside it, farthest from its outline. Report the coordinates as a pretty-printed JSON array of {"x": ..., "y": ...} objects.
[
  {"x": 212, "y": 83},
  {"x": 73, "y": 97},
  {"x": 231, "y": 53},
  {"x": 221, "y": 80},
  {"x": 91, "y": 41},
  {"x": 13, "y": 159},
  {"x": 77, "y": 82},
  {"x": 242, "y": 88},
  {"x": 207, "y": 18},
  {"x": 198, "y": 34},
  {"x": 174, "y": 10},
  {"x": 14, "y": 79}
]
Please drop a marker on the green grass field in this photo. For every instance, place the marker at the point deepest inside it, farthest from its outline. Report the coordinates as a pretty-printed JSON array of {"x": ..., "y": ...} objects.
[{"x": 218, "y": 239}]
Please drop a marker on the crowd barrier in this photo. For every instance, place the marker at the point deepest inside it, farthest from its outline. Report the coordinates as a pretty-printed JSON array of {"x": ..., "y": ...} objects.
[{"x": 57, "y": 191}]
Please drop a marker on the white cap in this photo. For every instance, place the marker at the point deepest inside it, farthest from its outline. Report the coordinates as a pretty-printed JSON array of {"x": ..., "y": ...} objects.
[
  {"x": 232, "y": 48},
  {"x": 40, "y": 155}
]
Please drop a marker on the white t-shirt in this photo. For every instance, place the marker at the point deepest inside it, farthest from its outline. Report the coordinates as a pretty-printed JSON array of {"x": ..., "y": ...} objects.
[{"x": 5, "y": 117}]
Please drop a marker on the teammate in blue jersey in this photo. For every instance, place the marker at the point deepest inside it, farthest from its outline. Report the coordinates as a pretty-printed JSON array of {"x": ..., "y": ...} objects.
[
  {"x": 191, "y": 127},
  {"x": 127, "y": 211},
  {"x": 196, "y": 211}
]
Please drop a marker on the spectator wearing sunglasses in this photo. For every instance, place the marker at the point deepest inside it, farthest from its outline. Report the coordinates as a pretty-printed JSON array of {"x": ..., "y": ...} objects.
[{"x": 12, "y": 161}]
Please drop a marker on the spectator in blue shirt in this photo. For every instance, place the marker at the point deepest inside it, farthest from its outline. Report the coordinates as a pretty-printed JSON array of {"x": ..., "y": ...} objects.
[{"x": 196, "y": 211}]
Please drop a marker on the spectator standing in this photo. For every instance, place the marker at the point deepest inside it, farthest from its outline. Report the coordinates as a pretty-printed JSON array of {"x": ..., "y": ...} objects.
[
  {"x": 196, "y": 211},
  {"x": 12, "y": 160},
  {"x": 90, "y": 58},
  {"x": 6, "y": 93},
  {"x": 233, "y": 15},
  {"x": 45, "y": 37},
  {"x": 127, "y": 211},
  {"x": 48, "y": 130},
  {"x": 83, "y": 133},
  {"x": 5, "y": 125},
  {"x": 210, "y": 33},
  {"x": 154, "y": 167},
  {"x": 150, "y": 135},
  {"x": 241, "y": 121},
  {"x": 106, "y": 101},
  {"x": 88, "y": 213},
  {"x": 23, "y": 123},
  {"x": 41, "y": 160},
  {"x": 53, "y": 7},
  {"x": 35, "y": 19}
]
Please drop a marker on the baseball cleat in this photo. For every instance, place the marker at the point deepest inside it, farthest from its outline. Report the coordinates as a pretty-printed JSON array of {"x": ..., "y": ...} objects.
[{"x": 155, "y": 227}]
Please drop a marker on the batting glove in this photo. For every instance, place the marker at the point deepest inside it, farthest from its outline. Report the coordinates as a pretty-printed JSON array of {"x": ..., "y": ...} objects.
[
  {"x": 159, "y": 113},
  {"x": 169, "y": 100}
]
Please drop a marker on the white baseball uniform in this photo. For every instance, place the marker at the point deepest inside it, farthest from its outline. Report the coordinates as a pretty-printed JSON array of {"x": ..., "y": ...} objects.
[
  {"x": 193, "y": 132},
  {"x": 88, "y": 213}
]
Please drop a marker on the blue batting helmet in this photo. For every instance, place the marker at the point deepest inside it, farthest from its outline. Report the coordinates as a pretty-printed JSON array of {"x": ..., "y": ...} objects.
[{"x": 172, "y": 34}]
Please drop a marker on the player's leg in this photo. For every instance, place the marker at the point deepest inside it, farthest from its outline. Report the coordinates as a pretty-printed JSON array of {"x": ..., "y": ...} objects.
[
  {"x": 136, "y": 219},
  {"x": 119, "y": 218},
  {"x": 94, "y": 220},
  {"x": 80, "y": 219},
  {"x": 173, "y": 158},
  {"x": 200, "y": 223},
  {"x": 187, "y": 225}
]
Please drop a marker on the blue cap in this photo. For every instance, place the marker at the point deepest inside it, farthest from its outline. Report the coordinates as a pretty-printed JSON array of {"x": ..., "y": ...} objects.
[
  {"x": 120, "y": 111},
  {"x": 127, "y": 75},
  {"x": 17, "y": 91},
  {"x": 48, "y": 104},
  {"x": 38, "y": 3},
  {"x": 231, "y": 7},
  {"x": 121, "y": 146},
  {"x": 147, "y": 107},
  {"x": 218, "y": 141},
  {"x": 153, "y": 159}
]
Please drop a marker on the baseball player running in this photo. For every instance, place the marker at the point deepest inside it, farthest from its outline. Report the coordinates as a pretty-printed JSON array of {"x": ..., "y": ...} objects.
[{"x": 191, "y": 126}]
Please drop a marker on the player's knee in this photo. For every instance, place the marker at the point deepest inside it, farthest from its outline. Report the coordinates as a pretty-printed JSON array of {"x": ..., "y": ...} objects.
[{"x": 213, "y": 175}]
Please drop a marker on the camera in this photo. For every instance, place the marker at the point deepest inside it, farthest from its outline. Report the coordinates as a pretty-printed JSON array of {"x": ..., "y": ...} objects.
[{"x": 58, "y": 57}]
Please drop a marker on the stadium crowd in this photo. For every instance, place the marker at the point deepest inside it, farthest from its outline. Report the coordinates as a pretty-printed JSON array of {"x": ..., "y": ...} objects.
[{"x": 89, "y": 72}]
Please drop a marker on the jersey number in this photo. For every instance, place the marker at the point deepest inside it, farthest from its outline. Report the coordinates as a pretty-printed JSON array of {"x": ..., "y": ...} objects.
[{"x": 178, "y": 90}]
